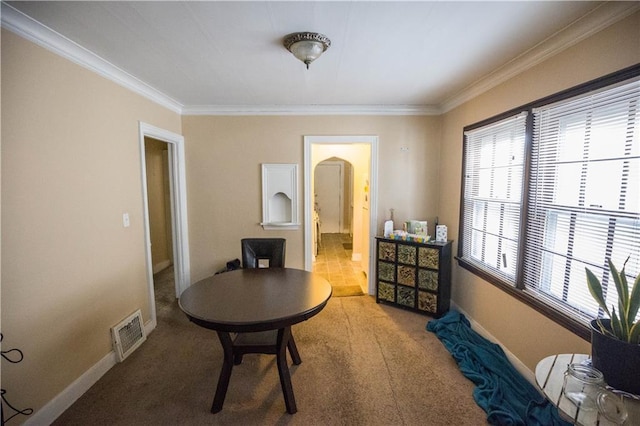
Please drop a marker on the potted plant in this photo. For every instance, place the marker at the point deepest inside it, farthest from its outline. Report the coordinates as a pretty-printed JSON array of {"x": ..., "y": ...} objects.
[{"x": 615, "y": 342}]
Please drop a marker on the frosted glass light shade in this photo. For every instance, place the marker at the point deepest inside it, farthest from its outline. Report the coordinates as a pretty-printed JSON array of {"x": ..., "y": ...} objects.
[
  {"x": 307, "y": 51},
  {"x": 307, "y": 46}
]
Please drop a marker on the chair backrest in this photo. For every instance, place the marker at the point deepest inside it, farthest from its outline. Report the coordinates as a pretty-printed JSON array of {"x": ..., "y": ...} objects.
[{"x": 263, "y": 252}]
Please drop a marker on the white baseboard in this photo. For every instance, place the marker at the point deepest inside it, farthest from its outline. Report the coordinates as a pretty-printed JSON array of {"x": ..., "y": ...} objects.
[
  {"x": 54, "y": 408},
  {"x": 161, "y": 266},
  {"x": 149, "y": 326},
  {"x": 519, "y": 365},
  {"x": 65, "y": 399}
]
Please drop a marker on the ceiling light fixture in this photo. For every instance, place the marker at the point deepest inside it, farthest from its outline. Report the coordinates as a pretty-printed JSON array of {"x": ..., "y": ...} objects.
[{"x": 307, "y": 46}]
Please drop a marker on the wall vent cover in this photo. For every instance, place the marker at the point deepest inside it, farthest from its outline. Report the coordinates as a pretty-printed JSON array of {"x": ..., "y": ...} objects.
[{"x": 128, "y": 335}]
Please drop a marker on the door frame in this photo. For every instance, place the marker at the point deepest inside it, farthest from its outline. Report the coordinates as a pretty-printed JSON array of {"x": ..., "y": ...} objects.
[
  {"x": 372, "y": 141},
  {"x": 340, "y": 164},
  {"x": 178, "y": 202}
]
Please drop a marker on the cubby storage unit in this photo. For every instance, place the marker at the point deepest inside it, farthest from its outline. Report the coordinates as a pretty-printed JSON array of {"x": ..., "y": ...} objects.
[{"x": 414, "y": 276}]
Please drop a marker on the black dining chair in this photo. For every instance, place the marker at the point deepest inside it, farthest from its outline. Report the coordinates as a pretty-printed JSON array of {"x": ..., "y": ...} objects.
[{"x": 262, "y": 253}]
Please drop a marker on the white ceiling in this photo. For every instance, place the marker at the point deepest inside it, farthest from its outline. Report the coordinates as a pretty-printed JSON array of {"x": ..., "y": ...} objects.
[{"x": 221, "y": 57}]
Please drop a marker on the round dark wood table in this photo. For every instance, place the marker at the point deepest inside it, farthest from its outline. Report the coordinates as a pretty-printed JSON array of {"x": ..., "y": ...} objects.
[{"x": 250, "y": 301}]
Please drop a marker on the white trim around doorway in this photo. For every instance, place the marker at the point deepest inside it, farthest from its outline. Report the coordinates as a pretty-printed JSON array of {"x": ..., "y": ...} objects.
[
  {"x": 177, "y": 177},
  {"x": 372, "y": 141}
]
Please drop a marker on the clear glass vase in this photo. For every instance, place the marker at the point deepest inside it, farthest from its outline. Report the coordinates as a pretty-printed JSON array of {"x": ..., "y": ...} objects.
[
  {"x": 582, "y": 385},
  {"x": 585, "y": 387}
]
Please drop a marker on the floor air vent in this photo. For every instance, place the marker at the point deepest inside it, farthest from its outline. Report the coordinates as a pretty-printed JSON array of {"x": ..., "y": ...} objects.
[{"x": 128, "y": 335}]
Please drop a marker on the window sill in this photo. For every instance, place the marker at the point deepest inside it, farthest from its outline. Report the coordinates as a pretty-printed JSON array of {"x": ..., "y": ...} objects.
[{"x": 280, "y": 226}]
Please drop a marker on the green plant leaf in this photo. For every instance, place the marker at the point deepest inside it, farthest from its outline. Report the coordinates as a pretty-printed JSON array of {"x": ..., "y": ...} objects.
[
  {"x": 622, "y": 289},
  {"x": 634, "y": 335},
  {"x": 595, "y": 288},
  {"x": 604, "y": 330},
  {"x": 617, "y": 327},
  {"x": 623, "y": 321},
  {"x": 634, "y": 300}
]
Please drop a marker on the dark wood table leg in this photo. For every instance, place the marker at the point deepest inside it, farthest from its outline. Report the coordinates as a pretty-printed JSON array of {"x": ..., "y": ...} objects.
[
  {"x": 293, "y": 351},
  {"x": 225, "y": 372},
  {"x": 284, "y": 334}
]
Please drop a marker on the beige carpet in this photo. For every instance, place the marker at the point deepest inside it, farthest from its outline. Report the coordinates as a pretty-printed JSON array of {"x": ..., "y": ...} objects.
[{"x": 362, "y": 364}]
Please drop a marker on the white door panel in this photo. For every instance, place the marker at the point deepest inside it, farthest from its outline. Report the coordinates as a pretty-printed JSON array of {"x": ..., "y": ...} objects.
[{"x": 328, "y": 190}]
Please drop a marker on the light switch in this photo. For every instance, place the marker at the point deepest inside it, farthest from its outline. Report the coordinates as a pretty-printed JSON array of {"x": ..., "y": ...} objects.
[{"x": 125, "y": 220}]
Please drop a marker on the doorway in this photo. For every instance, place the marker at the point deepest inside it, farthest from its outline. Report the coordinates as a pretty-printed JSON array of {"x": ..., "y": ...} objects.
[
  {"x": 176, "y": 227},
  {"x": 362, "y": 153},
  {"x": 329, "y": 195},
  {"x": 160, "y": 228},
  {"x": 158, "y": 203}
]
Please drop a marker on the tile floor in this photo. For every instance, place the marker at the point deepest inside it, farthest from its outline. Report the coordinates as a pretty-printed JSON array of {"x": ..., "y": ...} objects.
[{"x": 334, "y": 262}]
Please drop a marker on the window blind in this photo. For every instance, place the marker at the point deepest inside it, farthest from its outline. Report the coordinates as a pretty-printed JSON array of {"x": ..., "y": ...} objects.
[
  {"x": 493, "y": 183},
  {"x": 583, "y": 197}
]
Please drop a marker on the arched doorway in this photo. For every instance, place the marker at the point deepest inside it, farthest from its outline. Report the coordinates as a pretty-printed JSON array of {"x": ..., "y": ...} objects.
[{"x": 332, "y": 195}]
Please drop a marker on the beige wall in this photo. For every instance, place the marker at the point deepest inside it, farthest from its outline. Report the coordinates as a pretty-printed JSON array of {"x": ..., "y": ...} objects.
[
  {"x": 525, "y": 332},
  {"x": 224, "y": 155},
  {"x": 70, "y": 169}
]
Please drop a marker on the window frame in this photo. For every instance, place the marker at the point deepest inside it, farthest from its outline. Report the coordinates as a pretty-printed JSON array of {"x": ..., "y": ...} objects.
[{"x": 518, "y": 290}]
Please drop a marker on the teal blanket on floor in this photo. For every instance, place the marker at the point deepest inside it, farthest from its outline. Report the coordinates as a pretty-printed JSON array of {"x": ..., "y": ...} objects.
[{"x": 502, "y": 392}]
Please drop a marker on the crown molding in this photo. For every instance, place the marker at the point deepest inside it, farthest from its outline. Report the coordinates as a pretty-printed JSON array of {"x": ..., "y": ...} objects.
[
  {"x": 311, "y": 110},
  {"x": 32, "y": 30},
  {"x": 598, "y": 19},
  {"x": 26, "y": 27}
]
